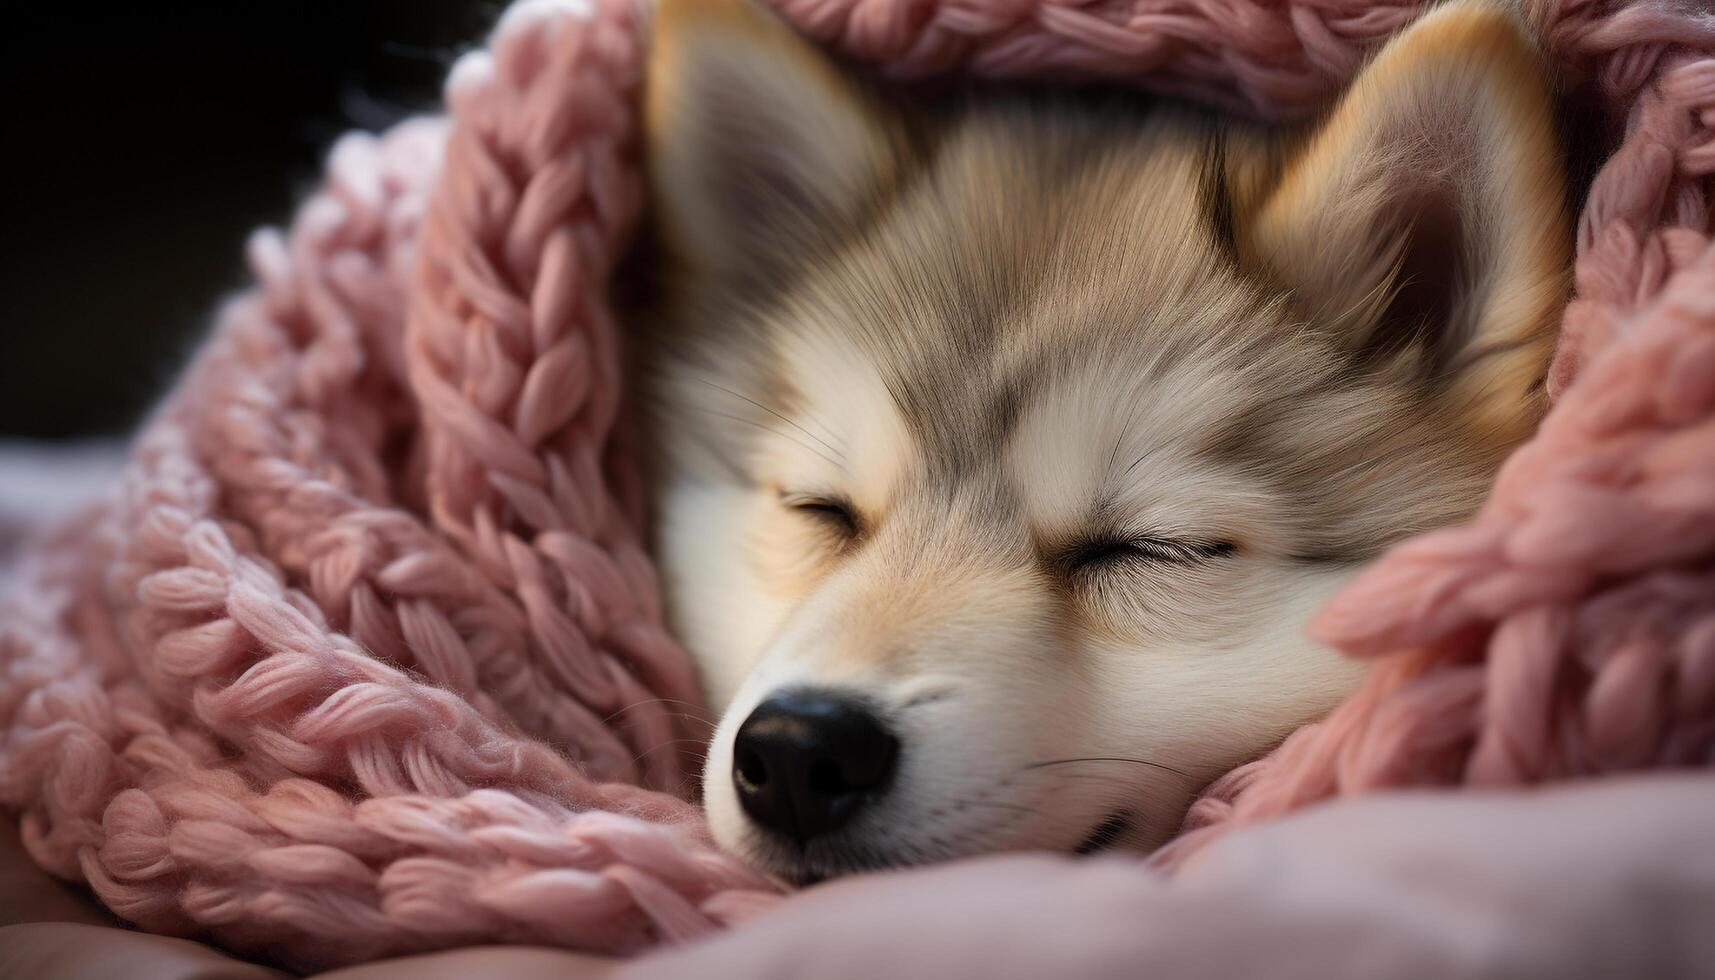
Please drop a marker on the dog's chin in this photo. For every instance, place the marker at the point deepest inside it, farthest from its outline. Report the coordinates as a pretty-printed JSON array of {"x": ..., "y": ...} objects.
[
  {"x": 806, "y": 863},
  {"x": 844, "y": 853},
  {"x": 832, "y": 855}
]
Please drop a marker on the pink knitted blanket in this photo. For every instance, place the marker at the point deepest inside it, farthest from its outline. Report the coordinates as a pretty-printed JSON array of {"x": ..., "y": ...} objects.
[{"x": 363, "y": 654}]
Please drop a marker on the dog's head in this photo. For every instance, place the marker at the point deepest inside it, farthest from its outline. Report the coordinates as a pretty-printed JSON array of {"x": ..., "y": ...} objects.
[{"x": 1008, "y": 445}]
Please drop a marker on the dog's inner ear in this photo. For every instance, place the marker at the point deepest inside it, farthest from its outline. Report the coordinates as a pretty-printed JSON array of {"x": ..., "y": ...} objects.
[
  {"x": 757, "y": 144},
  {"x": 1423, "y": 220}
]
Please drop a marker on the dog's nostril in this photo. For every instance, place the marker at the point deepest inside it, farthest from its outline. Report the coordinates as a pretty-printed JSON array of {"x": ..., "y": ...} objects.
[
  {"x": 751, "y": 768},
  {"x": 805, "y": 762}
]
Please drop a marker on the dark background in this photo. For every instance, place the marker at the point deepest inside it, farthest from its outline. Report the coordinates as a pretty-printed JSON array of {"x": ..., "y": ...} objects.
[{"x": 143, "y": 141}]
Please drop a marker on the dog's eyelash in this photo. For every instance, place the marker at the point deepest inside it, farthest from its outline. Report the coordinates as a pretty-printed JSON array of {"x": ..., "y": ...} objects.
[
  {"x": 837, "y": 513},
  {"x": 1103, "y": 552}
]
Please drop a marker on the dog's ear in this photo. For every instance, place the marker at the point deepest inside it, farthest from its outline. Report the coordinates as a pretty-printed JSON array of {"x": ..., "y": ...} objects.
[
  {"x": 757, "y": 143},
  {"x": 1424, "y": 218}
]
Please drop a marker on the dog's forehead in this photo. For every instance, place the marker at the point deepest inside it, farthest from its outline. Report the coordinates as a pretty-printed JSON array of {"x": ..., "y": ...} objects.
[
  {"x": 1063, "y": 430},
  {"x": 1038, "y": 278},
  {"x": 1070, "y": 332}
]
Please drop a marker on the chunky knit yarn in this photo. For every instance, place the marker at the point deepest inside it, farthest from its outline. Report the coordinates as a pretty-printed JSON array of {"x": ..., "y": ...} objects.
[{"x": 363, "y": 655}]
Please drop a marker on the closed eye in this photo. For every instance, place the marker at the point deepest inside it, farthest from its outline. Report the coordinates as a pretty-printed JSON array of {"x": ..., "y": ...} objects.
[
  {"x": 1099, "y": 553},
  {"x": 832, "y": 512}
]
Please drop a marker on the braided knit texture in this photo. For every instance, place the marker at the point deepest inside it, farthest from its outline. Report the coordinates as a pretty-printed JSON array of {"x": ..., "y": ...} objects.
[{"x": 364, "y": 654}]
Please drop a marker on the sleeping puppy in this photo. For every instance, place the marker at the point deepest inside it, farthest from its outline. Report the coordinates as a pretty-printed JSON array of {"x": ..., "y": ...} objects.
[{"x": 1009, "y": 440}]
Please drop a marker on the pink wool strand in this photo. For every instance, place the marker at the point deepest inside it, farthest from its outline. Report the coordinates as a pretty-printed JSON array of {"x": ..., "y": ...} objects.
[{"x": 364, "y": 654}]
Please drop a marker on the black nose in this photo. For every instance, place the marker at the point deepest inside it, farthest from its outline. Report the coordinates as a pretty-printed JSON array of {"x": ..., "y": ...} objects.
[{"x": 805, "y": 761}]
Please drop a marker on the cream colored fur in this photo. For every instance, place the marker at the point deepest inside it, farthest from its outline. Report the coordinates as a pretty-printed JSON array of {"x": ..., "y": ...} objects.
[{"x": 1007, "y": 333}]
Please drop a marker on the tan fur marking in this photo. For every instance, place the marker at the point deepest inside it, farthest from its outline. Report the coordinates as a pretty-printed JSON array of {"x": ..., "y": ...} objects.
[{"x": 1465, "y": 64}]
